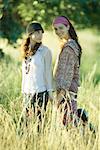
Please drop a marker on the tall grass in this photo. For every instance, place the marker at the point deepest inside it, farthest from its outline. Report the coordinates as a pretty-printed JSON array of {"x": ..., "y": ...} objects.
[{"x": 53, "y": 136}]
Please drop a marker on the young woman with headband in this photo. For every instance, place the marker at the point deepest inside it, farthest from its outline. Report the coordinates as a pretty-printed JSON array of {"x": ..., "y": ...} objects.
[{"x": 66, "y": 74}]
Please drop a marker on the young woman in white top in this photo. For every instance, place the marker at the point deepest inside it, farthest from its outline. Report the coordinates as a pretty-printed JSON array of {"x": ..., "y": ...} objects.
[{"x": 36, "y": 70}]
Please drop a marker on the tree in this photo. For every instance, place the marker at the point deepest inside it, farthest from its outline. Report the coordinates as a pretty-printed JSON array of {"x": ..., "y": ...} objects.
[
  {"x": 10, "y": 21},
  {"x": 15, "y": 15}
]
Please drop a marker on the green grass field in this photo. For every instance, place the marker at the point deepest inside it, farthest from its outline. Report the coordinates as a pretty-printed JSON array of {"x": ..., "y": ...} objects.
[{"x": 53, "y": 136}]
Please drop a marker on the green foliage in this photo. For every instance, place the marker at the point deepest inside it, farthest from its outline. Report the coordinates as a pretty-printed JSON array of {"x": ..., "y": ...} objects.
[
  {"x": 10, "y": 80},
  {"x": 1, "y": 54},
  {"x": 10, "y": 23},
  {"x": 90, "y": 42},
  {"x": 15, "y": 15}
]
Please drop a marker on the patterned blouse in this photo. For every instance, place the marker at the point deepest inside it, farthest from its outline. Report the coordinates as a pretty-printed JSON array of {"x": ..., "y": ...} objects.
[{"x": 67, "y": 71}]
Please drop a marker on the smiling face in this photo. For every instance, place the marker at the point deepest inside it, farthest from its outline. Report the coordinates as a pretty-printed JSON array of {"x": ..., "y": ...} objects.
[
  {"x": 61, "y": 30},
  {"x": 36, "y": 36}
]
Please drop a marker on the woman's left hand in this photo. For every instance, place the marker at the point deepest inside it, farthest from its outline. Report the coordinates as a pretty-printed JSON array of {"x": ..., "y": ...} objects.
[
  {"x": 61, "y": 93},
  {"x": 60, "y": 96}
]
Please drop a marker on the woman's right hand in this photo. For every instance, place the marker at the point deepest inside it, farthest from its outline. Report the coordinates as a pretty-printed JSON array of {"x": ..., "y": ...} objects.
[
  {"x": 51, "y": 95},
  {"x": 60, "y": 96}
]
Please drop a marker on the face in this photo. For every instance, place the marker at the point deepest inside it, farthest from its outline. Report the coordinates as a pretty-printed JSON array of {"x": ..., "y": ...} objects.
[
  {"x": 61, "y": 30},
  {"x": 37, "y": 36}
]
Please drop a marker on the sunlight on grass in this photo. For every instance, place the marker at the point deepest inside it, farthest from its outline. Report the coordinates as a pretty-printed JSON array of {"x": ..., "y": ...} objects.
[{"x": 53, "y": 136}]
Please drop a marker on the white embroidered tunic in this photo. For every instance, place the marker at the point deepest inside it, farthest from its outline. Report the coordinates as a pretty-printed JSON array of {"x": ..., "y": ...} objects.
[{"x": 39, "y": 76}]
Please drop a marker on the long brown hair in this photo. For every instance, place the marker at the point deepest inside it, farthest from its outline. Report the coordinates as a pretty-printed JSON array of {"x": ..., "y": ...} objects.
[
  {"x": 74, "y": 36},
  {"x": 26, "y": 51}
]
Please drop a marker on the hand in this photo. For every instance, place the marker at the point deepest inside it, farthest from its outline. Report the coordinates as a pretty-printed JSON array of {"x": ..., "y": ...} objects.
[
  {"x": 63, "y": 92},
  {"x": 60, "y": 96},
  {"x": 51, "y": 95}
]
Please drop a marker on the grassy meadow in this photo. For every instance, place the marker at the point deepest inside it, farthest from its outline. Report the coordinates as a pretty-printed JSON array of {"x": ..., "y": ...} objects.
[{"x": 53, "y": 135}]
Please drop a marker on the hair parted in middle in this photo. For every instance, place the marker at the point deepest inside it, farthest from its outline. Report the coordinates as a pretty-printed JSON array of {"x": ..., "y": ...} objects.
[
  {"x": 31, "y": 28},
  {"x": 64, "y": 20}
]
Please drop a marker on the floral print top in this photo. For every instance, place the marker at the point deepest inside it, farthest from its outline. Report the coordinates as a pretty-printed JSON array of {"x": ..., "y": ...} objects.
[{"x": 67, "y": 71}]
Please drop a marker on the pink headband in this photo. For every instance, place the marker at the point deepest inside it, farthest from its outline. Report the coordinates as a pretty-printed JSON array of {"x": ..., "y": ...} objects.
[{"x": 62, "y": 20}]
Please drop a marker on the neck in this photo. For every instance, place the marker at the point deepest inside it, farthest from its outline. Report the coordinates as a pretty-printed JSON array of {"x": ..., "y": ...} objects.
[
  {"x": 67, "y": 37},
  {"x": 63, "y": 41}
]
